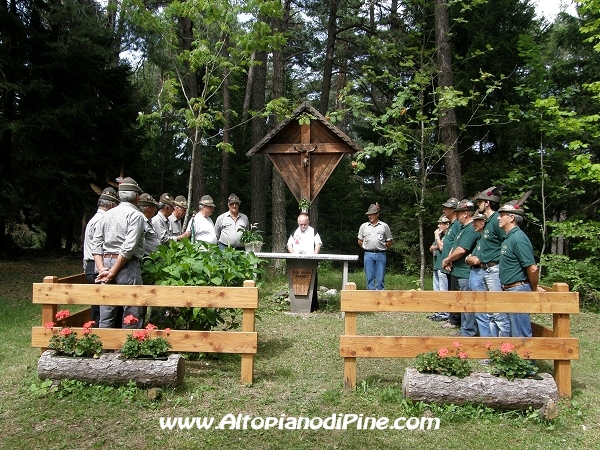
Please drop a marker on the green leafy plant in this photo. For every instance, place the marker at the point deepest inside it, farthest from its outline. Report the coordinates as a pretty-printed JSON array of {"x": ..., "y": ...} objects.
[
  {"x": 304, "y": 204},
  {"x": 184, "y": 263},
  {"x": 66, "y": 343},
  {"x": 506, "y": 362},
  {"x": 443, "y": 362},
  {"x": 250, "y": 235},
  {"x": 140, "y": 343}
]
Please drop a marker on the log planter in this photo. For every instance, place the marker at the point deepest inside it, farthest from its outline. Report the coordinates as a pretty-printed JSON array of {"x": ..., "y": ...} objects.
[
  {"x": 112, "y": 368},
  {"x": 479, "y": 388}
]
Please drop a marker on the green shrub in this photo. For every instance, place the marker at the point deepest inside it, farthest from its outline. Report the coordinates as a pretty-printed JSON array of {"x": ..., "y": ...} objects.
[{"x": 183, "y": 263}]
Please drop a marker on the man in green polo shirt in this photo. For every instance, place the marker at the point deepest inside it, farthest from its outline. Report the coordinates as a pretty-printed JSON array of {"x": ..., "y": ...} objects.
[
  {"x": 485, "y": 260},
  {"x": 465, "y": 241},
  {"x": 518, "y": 270},
  {"x": 445, "y": 248}
]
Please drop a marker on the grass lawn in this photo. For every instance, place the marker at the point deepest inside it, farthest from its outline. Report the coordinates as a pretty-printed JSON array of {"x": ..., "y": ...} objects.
[{"x": 298, "y": 372}]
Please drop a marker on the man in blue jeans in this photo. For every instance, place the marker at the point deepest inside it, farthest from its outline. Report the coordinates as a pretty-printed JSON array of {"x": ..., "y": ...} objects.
[
  {"x": 375, "y": 238},
  {"x": 463, "y": 244},
  {"x": 519, "y": 272},
  {"x": 485, "y": 258}
]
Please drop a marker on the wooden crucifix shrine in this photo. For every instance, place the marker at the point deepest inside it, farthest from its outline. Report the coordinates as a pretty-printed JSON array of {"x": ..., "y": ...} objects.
[{"x": 305, "y": 149}]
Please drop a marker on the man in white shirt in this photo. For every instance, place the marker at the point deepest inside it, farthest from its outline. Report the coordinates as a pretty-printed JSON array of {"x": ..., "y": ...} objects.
[
  {"x": 305, "y": 240},
  {"x": 201, "y": 227}
]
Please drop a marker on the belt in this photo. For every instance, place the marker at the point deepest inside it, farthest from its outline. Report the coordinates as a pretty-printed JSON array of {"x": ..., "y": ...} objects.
[
  {"x": 116, "y": 255},
  {"x": 484, "y": 265},
  {"x": 515, "y": 284},
  {"x": 375, "y": 251}
]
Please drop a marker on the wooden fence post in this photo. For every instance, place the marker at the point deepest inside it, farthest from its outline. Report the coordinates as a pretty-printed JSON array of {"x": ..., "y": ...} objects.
[
  {"x": 248, "y": 325},
  {"x": 562, "y": 328},
  {"x": 350, "y": 329}
]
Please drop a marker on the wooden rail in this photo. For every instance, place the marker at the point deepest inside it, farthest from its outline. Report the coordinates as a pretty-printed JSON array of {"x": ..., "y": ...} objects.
[
  {"x": 73, "y": 291},
  {"x": 548, "y": 343}
]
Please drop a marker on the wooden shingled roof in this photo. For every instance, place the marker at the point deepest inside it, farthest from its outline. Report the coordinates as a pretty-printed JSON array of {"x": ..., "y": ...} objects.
[{"x": 305, "y": 155}]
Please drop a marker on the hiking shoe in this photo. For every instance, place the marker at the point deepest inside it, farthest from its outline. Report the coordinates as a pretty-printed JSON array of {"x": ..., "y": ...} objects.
[
  {"x": 449, "y": 326},
  {"x": 440, "y": 317}
]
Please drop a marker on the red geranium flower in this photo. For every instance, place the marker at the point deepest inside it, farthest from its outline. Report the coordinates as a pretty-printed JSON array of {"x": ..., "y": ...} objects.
[
  {"x": 130, "y": 320},
  {"x": 65, "y": 331},
  {"x": 506, "y": 347},
  {"x": 63, "y": 314},
  {"x": 140, "y": 335},
  {"x": 49, "y": 325},
  {"x": 89, "y": 324}
]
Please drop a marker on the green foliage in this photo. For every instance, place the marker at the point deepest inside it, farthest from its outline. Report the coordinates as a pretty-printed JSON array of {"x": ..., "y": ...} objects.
[
  {"x": 442, "y": 362},
  {"x": 183, "y": 263},
  {"x": 506, "y": 362},
  {"x": 250, "y": 235},
  {"x": 140, "y": 344},
  {"x": 65, "y": 341},
  {"x": 582, "y": 275}
]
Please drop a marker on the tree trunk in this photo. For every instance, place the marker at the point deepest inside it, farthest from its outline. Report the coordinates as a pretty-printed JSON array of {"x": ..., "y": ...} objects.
[
  {"x": 329, "y": 52},
  {"x": 259, "y": 163},
  {"x": 479, "y": 388},
  {"x": 190, "y": 90},
  {"x": 111, "y": 369},
  {"x": 447, "y": 119},
  {"x": 224, "y": 188},
  {"x": 278, "y": 186}
]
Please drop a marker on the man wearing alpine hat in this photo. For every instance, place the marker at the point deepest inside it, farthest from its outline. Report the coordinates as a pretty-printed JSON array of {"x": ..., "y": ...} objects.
[
  {"x": 118, "y": 248},
  {"x": 201, "y": 227},
  {"x": 108, "y": 200},
  {"x": 485, "y": 259},
  {"x": 176, "y": 219},
  {"x": 518, "y": 270},
  {"x": 229, "y": 225},
  {"x": 375, "y": 238}
]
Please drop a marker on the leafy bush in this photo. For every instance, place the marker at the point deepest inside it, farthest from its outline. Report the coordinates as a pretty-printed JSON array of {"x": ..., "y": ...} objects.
[
  {"x": 506, "y": 362},
  {"x": 183, "y": 263},
  {"x": 442, "y": 362},
  {"x": 582, "y": 276}
]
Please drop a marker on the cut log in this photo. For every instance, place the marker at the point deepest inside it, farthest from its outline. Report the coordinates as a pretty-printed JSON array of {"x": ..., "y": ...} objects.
[
  {"x": 112, "y": 369},
  {"x": 479, "y": 388}
]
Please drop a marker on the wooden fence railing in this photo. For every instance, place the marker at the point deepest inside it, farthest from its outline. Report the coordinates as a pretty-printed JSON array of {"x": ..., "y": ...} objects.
[
  {"x": 548, "y": 343},
  {"x": 73, "y": 291}
]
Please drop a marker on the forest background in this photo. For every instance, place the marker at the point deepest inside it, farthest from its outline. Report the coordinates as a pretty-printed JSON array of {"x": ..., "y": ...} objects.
[{"x": 445, "y": 97}]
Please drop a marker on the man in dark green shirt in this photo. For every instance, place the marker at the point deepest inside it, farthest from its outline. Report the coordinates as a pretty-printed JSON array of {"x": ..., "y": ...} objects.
[
  {"x": 485, "y": 259},
  {"x": 465, "y": 241},
  {"x": 519, "y": 272},
  {"x": 446, "y": 247}
]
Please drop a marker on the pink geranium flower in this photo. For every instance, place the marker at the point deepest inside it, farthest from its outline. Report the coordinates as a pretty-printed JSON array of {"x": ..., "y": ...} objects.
[
  {"x": 140, "y": 335},
  {"x": 65, "y": 331},
  {"x": 168, "y": 331},
  {"x": 456, "y": 344},
  {"x": 151, "y": 327},
  {"x": 443, "y": 352},
  {"x": 488, "y": 345},
  {"x": 89, "y": 324},
  {"x": 49, "y": 325},
  {"x": 63, "y": 314},
  {"x": 463, "y": 355},
  {"x": 506, "y": 347},
  {"x": 130, "y": 320}
]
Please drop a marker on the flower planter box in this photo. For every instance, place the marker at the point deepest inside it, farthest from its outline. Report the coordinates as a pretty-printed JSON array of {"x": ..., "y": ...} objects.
[
  {"x": 479, "y": 388},
  {"x": 112, "y": 369}
]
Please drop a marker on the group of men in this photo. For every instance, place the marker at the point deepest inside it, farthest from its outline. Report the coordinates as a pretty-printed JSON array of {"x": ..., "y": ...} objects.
[
  {"x": 130, "y": 224},
  {"x": 479, "y": 246}
]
